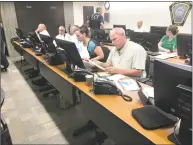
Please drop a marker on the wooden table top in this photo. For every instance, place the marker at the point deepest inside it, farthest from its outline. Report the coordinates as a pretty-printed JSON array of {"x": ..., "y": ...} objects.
[
  {"x": 176, "y": 60},
  {"x": 116, "y": 105}
]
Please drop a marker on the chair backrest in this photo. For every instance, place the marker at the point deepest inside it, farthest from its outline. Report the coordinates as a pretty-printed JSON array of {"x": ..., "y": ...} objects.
[
  {"x": 147, "y": 65},
  {"x": 106, "y": 52}
]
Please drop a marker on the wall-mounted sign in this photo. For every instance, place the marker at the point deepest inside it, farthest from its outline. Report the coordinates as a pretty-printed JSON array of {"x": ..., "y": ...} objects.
[{"x": 179, "y": 12}]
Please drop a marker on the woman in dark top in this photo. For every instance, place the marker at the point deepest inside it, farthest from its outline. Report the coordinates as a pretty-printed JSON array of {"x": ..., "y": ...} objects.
[{"x": 94, "y": 50}]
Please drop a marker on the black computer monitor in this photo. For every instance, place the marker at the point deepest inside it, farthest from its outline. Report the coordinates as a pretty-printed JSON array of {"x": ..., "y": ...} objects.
[
  {"x": 159, "y": 30},
  {"x": 48, "y": 43},
  {"x": 166, "y": 77},
  {"x": 147, "y": 39},
  {"x": 121, "y": 26},
  {"x": 173, "y": 94},
  {"x": 184, "y": 44},
  {"x": 72, "y": 52},
  {"x": 33, "y": 36},
  {"x": 46, "y": 39},
  {"x": 19, "y": 33},
  {"x": 36, "y": 43}
]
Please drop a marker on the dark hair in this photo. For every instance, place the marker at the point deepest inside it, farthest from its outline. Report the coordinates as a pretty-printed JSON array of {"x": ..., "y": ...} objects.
[
  {"x": 84, "y": 29},
  {"x": 173, "y": 29}
]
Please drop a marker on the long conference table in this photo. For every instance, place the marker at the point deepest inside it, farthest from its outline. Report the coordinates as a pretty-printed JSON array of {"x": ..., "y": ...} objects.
[{"x": 110, "y": 113}]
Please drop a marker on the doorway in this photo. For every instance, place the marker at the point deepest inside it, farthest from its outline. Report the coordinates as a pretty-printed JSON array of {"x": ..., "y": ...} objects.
[{"x": 87, "y": 12}]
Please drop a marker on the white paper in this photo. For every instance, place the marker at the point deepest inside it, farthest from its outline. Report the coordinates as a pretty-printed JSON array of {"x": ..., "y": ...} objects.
[
  {"x": 149, "y": 92},
  {"x": 95, "y": 64},
  {"x": 116, "y": 77},
  {"x": 129, "y": 85},
  {"x": 165, "y": 56}
]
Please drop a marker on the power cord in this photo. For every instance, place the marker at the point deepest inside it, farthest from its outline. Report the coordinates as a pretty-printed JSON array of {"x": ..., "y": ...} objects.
[{"x": 176, "y": 138}]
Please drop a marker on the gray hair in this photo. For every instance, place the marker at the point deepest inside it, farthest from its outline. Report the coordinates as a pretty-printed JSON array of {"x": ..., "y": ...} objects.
[
  {"x": 119, "y": 30},
  {"x": 62, "y": 27}
]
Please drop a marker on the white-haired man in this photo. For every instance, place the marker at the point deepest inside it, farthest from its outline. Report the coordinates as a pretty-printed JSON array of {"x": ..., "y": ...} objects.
[
  {"x": 140, "y": 27},
  {"x": 73, "y": 38},
  {"x": 127, "y": 58},
  {"x": 61, "y": 33}
]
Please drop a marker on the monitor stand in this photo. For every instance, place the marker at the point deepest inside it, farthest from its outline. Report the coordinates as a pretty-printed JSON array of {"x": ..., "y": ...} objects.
[{"x": 185, "y": 134}]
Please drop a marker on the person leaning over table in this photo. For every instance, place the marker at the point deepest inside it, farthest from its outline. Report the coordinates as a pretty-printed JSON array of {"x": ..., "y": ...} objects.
[
  {"x": 168, "y": 42},
  {"x": 127, "y": 58},
  {"x": 95, "y": 51}
]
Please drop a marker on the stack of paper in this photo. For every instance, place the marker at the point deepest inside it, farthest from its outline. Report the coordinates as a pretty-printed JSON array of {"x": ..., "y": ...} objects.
[
  {"x": 95, "y": 64},
  {"x": 165, "y": 56},
  {"x": 116, "y": 77}
]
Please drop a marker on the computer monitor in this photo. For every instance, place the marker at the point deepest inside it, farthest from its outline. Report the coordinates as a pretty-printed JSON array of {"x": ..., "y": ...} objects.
[
  {"x": 166, "y": 77},
  {"x": 33, "y": 36},
  {"x": 159, "y": 30},
  {"x": 36, "y": 42},
  {"x": 19, "y": 33},
  {"x": 121, "y": 26},
  {"x": 173, "y": 94},
  {"x": 147, "y": 39},
  {"x": 72, "y": 52},
  {"x": 48, "y": 43},
  {"x": 46, "y": 39},
  {"x": 184, "y": 44},
  {"x": 63, "y": 54}
]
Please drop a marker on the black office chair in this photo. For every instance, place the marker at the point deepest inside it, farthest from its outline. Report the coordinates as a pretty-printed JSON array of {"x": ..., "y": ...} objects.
[
  {"x": 106, "y": 52},
  {"x": 2, "y": 97},
  {"x": 148, "y": 77},
  {"x": 129, "y": 32},
  {"x": 5, "y": 135}
]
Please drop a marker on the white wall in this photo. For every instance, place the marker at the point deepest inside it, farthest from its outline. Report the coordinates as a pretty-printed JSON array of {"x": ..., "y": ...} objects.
[
  {"x": 152, "y": 14},
  {"x": 68, "y": 14},
  {"x": 128, "y": 13},
  {"x": 78, "y": 10}
]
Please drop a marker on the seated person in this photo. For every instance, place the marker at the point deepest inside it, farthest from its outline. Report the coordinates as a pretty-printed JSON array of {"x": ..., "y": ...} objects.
[
  {"x": 81, "y": 48},
  {"x": 168, "y": 42},
  {"x": 140, "y": 27},
  {"x": 42, "y": 30},
  {"x": 72, "y": 38},
  {"x": 62, "y": 35},
  {"x": 127, "y": 58},
  {"x": 95, "y": 52}
]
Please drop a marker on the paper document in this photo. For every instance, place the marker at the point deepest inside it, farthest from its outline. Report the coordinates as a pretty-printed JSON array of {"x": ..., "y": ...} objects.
[
  {"x": 148, "y": 92},
  {"x": 129, "y": 85},
  {"x": 116, "y": 77},
  {"x": 165, "y": 56},
  {"x": 103, "y": 74},
  {"x": 95, "y": 64}
]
